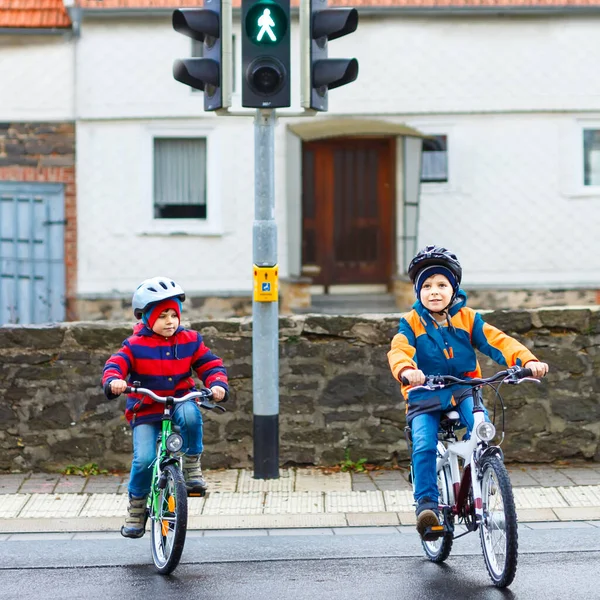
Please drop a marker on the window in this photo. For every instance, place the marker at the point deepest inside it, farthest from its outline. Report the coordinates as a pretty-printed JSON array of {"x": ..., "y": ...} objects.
[
  {"x": 198, "y": 52},
  {"x": 434, "y": 160},
  {"x": 180, "y": 178},
  {"x": 591, "y": 157}
]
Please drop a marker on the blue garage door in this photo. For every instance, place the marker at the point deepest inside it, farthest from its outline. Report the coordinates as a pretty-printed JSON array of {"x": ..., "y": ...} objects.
[{"x": 32, "y": 266}]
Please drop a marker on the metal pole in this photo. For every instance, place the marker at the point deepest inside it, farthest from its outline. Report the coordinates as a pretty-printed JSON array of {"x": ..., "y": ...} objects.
[{"x": 265, "y": 314}]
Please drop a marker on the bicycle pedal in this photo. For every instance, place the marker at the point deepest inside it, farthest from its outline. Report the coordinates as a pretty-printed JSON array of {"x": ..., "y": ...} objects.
[
  {"x": 433, "y": 533},
  {"x": 197, "y": 494}
]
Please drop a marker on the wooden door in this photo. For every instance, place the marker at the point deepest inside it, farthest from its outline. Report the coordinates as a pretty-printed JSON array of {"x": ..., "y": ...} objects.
[{"x": 347, "y": 210}]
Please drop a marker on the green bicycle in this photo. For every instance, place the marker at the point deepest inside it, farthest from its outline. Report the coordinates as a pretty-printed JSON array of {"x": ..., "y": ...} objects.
[{"x": 167, "y": 502}]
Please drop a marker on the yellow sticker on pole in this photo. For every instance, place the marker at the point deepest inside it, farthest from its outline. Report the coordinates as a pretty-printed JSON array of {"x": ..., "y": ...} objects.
[{"x": 266, "y": 288}]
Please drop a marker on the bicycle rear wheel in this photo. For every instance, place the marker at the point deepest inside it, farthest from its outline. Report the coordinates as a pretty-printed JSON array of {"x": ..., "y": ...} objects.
[
  {"x": 169, "y": 522},
  {"x": 438, "y": 550},
  {"x": 498, "y": 530}
]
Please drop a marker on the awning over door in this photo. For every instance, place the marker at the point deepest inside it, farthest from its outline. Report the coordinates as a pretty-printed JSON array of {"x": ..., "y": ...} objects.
[{"x": 319, "y": 129}]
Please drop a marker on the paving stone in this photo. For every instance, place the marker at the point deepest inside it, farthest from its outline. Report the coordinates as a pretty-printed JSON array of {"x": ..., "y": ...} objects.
[
  {"x": 11, "y": 506},
  {"x": 315, "y": 480},
  {"x": 222, "y": 481},
  {"x": 294, "y": 503},
  {"x": 344, "y": 502},
  {"x": 577, "y": 513},
  {"x": 105, "y": 505},
  {"x": 70, "y": 484},
  {"x": 520, "y": 478},
  {"x": 266, "y": 521},
  {"x": 364, "y": 487},
  {"x": 399, "y": 500},
  {"x": 102, "y": 484},
  {"x": 581, "y": 476},
  {"x": 233, "y": 503},
  {"x": 373, "y": 519},
  {"x": 549, "y": 477},
  {"x": 538, "y": 497},
  {"x": 365, "y": 530},
  {"x": 247, "y": 483},
  {"x": 588, "y": 495},
  {"x": 51, "y": 506},
  {"x": 10, "y": 484},
  {"x": 39, "y": 484},
  {"x": 530, "y": 515}
]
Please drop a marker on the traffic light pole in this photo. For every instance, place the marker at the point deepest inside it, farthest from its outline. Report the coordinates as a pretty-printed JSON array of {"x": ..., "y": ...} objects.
[{"x": 265, "y": 314}]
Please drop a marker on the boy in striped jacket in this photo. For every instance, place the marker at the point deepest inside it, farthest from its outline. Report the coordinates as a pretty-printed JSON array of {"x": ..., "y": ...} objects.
[{"x": 161, "y": 355}]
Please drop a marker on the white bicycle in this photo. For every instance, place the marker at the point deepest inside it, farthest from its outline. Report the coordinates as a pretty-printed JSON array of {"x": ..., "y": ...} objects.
[{"x": 474, "y": 486}]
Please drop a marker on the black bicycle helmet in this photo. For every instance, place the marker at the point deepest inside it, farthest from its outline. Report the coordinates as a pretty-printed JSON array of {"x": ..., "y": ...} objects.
[{"x": 431, "y": 256}]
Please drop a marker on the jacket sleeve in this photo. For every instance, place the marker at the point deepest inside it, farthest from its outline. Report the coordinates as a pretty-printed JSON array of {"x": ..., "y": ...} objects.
[
  {"x": 403, "y": 349},
  {"x": 117, "y": 366},
  {"x": 209, "y": 366},
  {"x": 499, "y": 346}
]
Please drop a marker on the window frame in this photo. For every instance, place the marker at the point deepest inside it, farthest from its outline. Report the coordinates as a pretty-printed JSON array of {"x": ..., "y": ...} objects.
[
  {"x": 573, "y": 158},
  {"x": 213, "y": 224},
  {"x": 440, "y": 128},
  {"x": 437, "y": 181}
]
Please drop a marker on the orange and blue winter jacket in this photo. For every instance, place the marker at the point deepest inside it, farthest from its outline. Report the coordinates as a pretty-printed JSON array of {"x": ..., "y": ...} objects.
[
  {"x": 163, "y": 365},
  {"x": 436, "y": 349}
]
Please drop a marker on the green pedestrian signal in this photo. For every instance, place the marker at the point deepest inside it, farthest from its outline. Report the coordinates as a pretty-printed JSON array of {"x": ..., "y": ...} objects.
[
  {"x": 266, "y": 23},
  {"x": 265, "y": 53}
]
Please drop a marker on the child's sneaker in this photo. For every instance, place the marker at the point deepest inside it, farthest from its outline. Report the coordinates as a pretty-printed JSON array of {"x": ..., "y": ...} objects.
[
  {"x": 428, "y": 517},
  {"x": 192, "y": 473},
  {"x": 135, "y": 521}
]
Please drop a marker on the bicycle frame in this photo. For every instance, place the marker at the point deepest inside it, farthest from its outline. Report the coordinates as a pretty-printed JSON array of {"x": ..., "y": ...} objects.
[{"x": 466, "y": 450}]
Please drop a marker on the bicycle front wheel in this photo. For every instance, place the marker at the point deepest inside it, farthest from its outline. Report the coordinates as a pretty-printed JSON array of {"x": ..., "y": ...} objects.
[
  {"x": 169, "y": 521},
  {"x": 498, "y": 530}
]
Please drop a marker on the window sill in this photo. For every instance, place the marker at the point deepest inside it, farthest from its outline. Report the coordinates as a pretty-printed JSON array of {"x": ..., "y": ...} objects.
[
  {"x": 181, "y": 230},
  {"x": 584, "y": 193}
]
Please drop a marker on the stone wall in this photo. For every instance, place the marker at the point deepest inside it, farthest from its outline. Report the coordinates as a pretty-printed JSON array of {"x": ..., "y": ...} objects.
[{"x": 336, "y": 392}]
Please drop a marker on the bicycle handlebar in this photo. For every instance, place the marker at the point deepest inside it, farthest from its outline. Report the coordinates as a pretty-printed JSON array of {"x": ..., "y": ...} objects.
[
  {"x": 510, "y": 375},
  {"x": 204, "y": 394}
]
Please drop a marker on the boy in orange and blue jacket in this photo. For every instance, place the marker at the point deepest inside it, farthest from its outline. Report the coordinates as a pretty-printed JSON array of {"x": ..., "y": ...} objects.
[{"x": 439, "y": 337}]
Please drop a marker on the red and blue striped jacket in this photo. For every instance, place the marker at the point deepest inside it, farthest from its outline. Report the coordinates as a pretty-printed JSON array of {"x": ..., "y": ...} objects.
[{"x": 164, "y": 365}]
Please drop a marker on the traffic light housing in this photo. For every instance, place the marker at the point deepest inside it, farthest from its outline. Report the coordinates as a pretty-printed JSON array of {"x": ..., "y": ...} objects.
[
  {"x": 319, "y": 25},
  {"x": 212, "y": 73},
  {"x": 265, "y": 53}
]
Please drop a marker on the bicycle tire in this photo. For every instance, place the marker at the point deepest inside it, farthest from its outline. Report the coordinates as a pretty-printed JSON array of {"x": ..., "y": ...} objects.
[
  {"x": 500, "y": 521},
  {"x": 169, "y": 525},
  {"x": 439, "y": 550}
]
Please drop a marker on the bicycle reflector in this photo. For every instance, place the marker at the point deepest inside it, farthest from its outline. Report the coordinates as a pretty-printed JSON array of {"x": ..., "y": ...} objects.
[
  {"x": 174, "y": 442},
  {"x": 486, "y": 431}
]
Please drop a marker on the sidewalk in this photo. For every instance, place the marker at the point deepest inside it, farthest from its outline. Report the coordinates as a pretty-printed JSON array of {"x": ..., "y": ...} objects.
[{"x": 302, "y": 497}]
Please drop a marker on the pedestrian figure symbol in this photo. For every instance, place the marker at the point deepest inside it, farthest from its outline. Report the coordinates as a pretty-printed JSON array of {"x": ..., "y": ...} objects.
[{"x": 265, "y": 21}]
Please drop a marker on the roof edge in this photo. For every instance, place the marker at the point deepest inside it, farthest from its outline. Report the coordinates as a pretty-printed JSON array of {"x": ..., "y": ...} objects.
[{"x": 416, "y": 11}]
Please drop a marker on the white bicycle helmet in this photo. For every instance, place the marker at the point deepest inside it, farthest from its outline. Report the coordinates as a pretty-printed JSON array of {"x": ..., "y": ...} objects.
[{"x": 154, "y": 290}]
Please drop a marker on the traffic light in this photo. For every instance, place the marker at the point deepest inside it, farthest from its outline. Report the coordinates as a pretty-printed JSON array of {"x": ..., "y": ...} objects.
[
  {"x": 265, "y": 53},
  {"x": 213, "y": 72},
  {"x": 319, "y": 25}
]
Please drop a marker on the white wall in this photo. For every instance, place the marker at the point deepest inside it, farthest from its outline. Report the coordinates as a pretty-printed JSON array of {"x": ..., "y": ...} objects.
[
  {"x": 407, "y": 65},
  {"x": 514, "y": 210},
  {"x": 36, "y": 78}
]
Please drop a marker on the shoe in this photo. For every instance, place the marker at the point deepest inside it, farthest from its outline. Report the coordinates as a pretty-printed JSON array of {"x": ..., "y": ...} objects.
[
  {"x": 135, "y": 521},
  {"x": 428, "y": 520},
  {"x": 192, "y": 473}
]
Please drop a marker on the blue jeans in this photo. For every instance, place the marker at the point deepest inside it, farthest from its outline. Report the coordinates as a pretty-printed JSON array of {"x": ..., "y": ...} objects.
[
  {"x": 189, "y": 419},
  {"x": 425, "y": 428}
]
